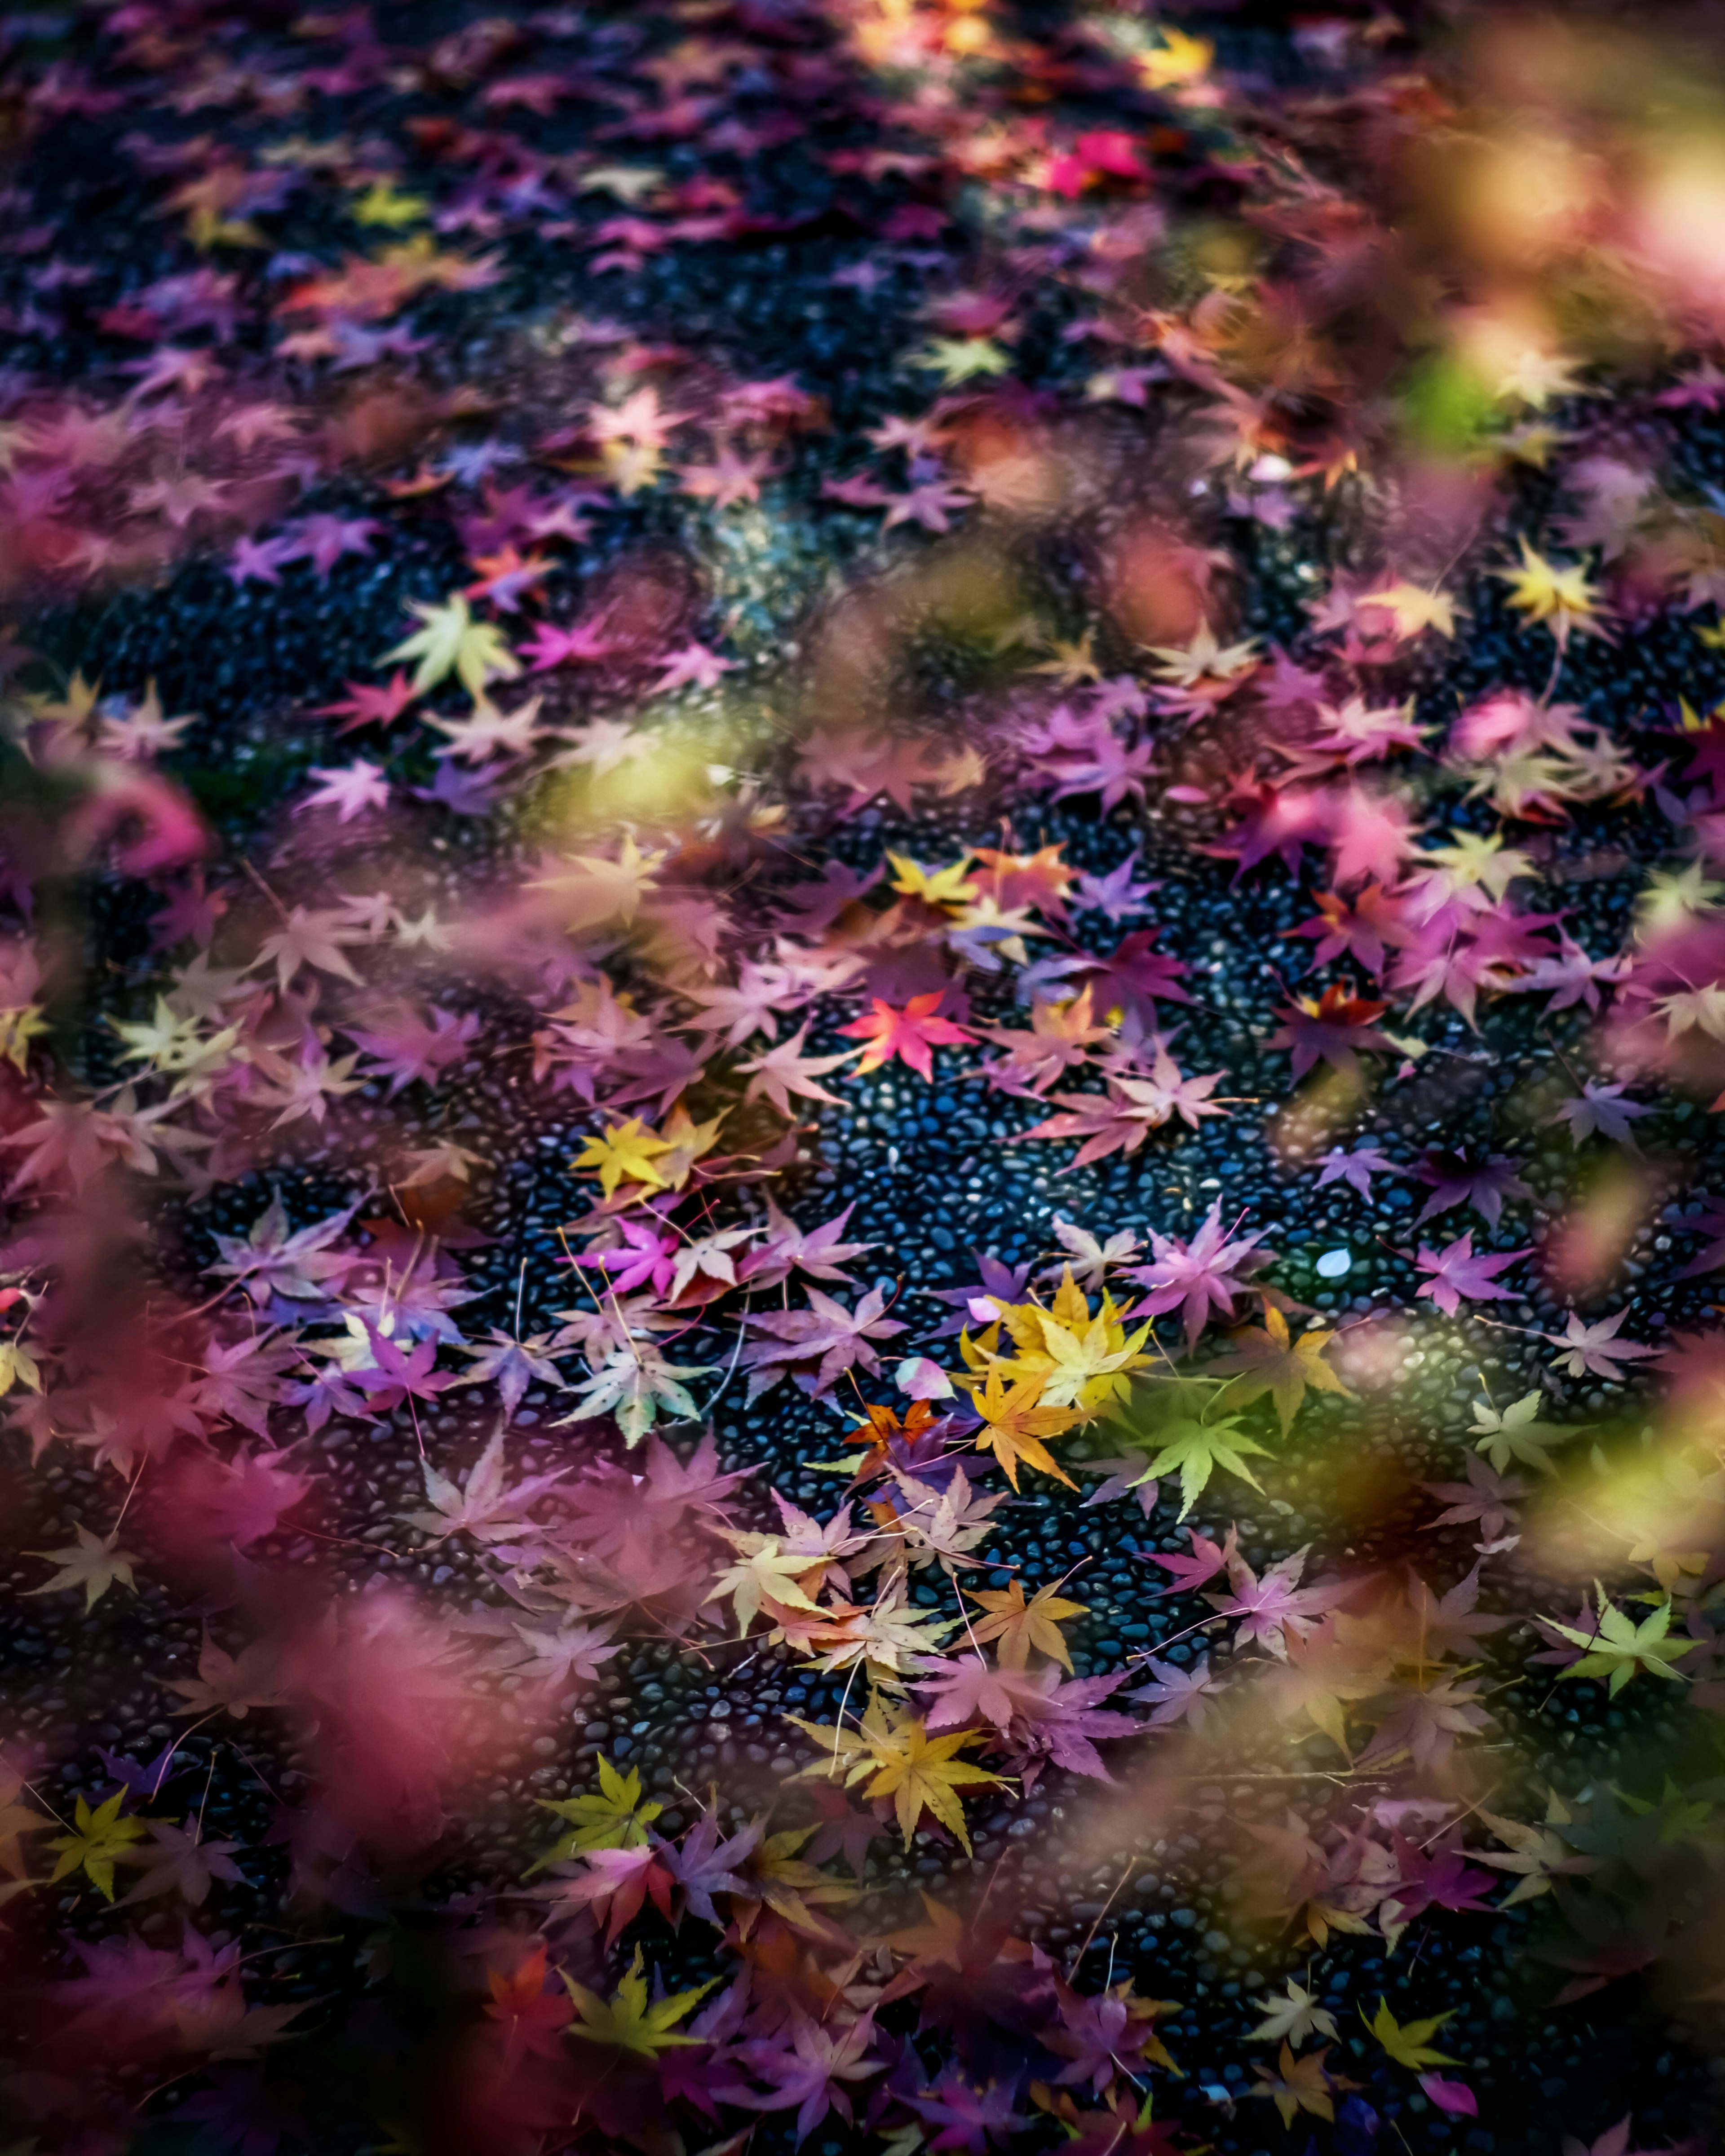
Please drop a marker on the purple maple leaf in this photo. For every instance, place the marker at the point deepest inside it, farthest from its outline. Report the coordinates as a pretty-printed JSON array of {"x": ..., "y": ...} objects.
[
  {"x": 1177, "y": 1695},
  {"x": 702, "y": 1864},
  {"x": 968, "y": 2117},
  {"x": 996, "y": 1282},
  {"x": 1271, "y": 1608},
  {"x": 1457, "y": 1274},
  {"x": 1195, "y": 1276},
  {"x": 1456, "y": 1180},
  {"x": 395, "y": 1377},
  {"x": 1356, "y": 1169}
]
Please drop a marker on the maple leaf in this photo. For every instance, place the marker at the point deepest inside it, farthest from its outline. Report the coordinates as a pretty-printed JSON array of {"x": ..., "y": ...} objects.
[
  {"x": 768, "y": 1573},
  {"x": 1293, "y": 2017},
  {"x": 1456, "y": 1180},
  {"x": 974, "y": 1689},
  {"x": 626, "y": 2022},
  {"x": 1601, "y": 1108},
  {"x": 624, "y": 1151},
  {"x": 912, "y": 1034},
  {"x": 1335, "y": 1029},
  {"x": 310, "y": 938},
  {"x": 1516, "y": 1434},
  {"x": 1132, "y": 1108},
  {"x": 918, "y": 1772},
  {"x": 1555, "y": 593},
  {"x": 616, "y": 1880},
  {"x": 1457, "y": 1274},
  {"x": 827, "y": 1334},
  {"x": 450, "y": 641},
  {"x": 1408, "y": 2043},
  {"x": 819, "y": 1253},
  {"x": 633, "y": 1382},
  {"x": 961, "y": 359},
  {"x": 1190, "y": 1573},
  {"x": 405, "y": 1048},
  {"x": 1618, "y": 1647},
  {"x": 1196, "y": 1448},
  {"x": 617, "y": 1816},
  {"x": 482, "y": 1507},
  {"x": 968, "y": 2115},
  {"x": 388, "y": 1377},
  {"x": 96, "y": 1841},
  {"x": 702, "y": 1865},
  {"x": 511, "y": 1365},
  {"x": 1369, "y": 835},
  {"x": 1299, "y": 2085},
  {"x": 1198, "y": 1276},
  {"x": 783, "y": 1070},
  {"x": 1484, "y": 1498},
  {"x": 890, "y": 1638},
  {"x": 810, "y": 2075},
  {"x": 1272, "y": 1607},
  {"x": 1018, "y": 1626},
  {"x": 1539, "y": 1854},
  {"x": 1085, "y": 1361},
  {"x": 1415, "y": 608},
  {"x": 1595, "y": 1348},
  {"x": 1177, "y": 1695},
  {"x": 184, "y": 1863},
  {"x": 1355, "y": 1168},
  {"x": 230, "y": 1684},
  {"x": 1265, "y": 1362},
  {"x": 93, "y": 1563}
]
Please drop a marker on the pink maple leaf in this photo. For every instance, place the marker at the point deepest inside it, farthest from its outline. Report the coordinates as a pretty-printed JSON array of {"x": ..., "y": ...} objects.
[
  {"x": 1195, "y": 1276},
  {"x": 583, "y": 643},
  {"x": 1206, "y": 1561}
]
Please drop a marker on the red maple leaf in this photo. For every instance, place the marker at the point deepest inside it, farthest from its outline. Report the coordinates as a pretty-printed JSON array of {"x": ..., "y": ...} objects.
[
  {"x": 1335, "y": 1029},
  {"x": 911, "y": 1034}
]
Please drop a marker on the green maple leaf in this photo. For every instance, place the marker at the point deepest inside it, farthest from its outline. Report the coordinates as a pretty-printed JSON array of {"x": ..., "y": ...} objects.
[
  {"x": 627, "y": 2021},
  {"x": 615, "y": 1818},
  {"x": 1620, "y": 1647},
  {"x": 1196, "y": 1449},
  {"x": 1516, "y": 1434},
  {"x": 957, "y": 359},
  {"x": 452, "y": 642}
]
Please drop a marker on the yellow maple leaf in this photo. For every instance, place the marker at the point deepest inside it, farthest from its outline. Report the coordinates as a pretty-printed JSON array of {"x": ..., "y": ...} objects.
[
  {"x": 1416, "y": 609},
  {"x": 1016, "y": 1422},
  {"x": 382, "y": 204},
  {"x": 1176, "y": 62},
  {"x": 958, "y": 359},
  {"x": 628, "y": 2022},
  {"x": 624, "y": 1151},
  {"x": 1019, "y": 1625},
  {"x": 97, "y": 1841},
  {"x": 1558, "y": 594},
  {"x": 920, "y": 1773},
  {"x": 1299, "y": 2085},
  {"x": 947, "y": 887},
  {"x": 1410, "y": 2043}
]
